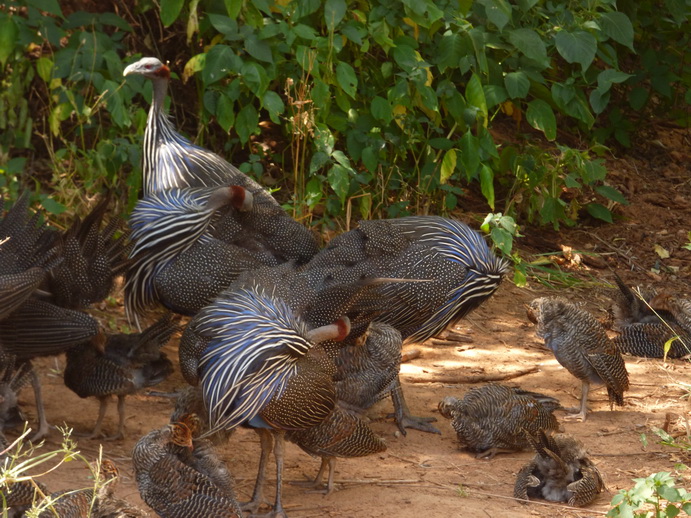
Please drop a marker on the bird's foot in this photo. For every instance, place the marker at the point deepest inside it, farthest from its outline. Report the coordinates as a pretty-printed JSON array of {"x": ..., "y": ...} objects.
[
  {"x": 417, "y": 423},
  {"x": 253, "y": 506},
  {"x": 42, "y": 433},
  {"x": 580, "y": 416},
  {"x": 271, "y": 514},
  {"x": 314, "y": 486}
]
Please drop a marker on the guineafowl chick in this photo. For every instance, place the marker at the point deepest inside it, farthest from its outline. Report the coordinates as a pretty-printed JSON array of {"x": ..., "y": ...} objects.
[
  {"x": 560, "y": 472},
  {"x": 169, "y": 485},
  {"x": 581, "y": 345},
  {"x": 494, "y": 418},
  {"x": 124, "y": 365}
]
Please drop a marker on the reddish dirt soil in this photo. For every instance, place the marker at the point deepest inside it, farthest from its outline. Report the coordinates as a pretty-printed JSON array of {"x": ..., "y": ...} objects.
[{"x": 427, "y": 475}]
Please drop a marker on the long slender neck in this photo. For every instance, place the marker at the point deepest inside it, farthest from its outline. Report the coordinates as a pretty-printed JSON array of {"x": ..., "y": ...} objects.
[{"x": 155, "y": 123}]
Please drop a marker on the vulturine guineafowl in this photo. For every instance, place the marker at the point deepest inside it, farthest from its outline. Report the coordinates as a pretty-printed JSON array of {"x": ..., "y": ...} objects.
[
  {"x": 454, "y": 267},
  {"x": 560, "y": 472},
  {"x": 122, "y": 365},
  {"x": 171, "y": 161},
  {"x": 45, "y": 318},
  {"x": 581, "y": 345},
  {"x": 495, "y": 418},
  {"x": 259, "y": 366},
  {"x": 172, "y": 487},
  {"x": 176, "y": 261}
]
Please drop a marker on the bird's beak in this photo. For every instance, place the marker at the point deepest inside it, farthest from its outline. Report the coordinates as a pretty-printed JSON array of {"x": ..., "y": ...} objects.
[{"x": 129, "y": 69}]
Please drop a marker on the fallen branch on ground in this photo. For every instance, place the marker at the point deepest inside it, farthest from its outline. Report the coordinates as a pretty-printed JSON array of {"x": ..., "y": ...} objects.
[{"x": 478, "y": 378}]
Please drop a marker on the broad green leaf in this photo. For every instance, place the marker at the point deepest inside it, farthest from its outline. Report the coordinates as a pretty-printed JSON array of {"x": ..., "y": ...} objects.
[
  {"x": 215, "y": 66},
  {"x": 599, "y": 211},
  {"x": 609, "y": 76},
  {"x": 530, "y": 44},
  {"x": 517, "y": 84},
  {"x": 258, "y": 49},
  {"x": 52, "y": 206},
  {"x": 599, "y": 99},
  {"x": 339, "y": 180},
  {"x": 224, "y": 24},
  {"x": 498, "y": 12},
  {"x": 274, "y": 105},
  {"x": 406, "y": 57},
  {"x": 617, "y": 26},
  {"x": 225, "y": 112},
  {"x": 449, "y": 51},
  {"x": 540, "y": 116},
  {"x": 170, "y": 10},
  {"x": 576, "y": 47},
  {"x": 305, "y": 32},
  {"x": 254, "y": 76},
  {"x": 469, "y": 154},
  {"x": 475, "y": 96},
  {"x": 44, "y": 67},
  {"x": 314, "y": 192},
  {"x": 370, "y": 159},
  {"x": 233, "y": 7},
  {"x": 487, "y": 184},
  {"x": 502, "y": 239},
  {"x": 8, "y": 37},
  {"x": 494, "y": 95},
  {"x": 448, "y": 166},
  {"x": 593, "y": 171},
  {"x": 334, "y": 11},
  {"x": 611, "y": 194},
  {"x": 381, "y": 110},
  {"x": 319, "y": 159},
  {"x": 346, "y": 78},
  {"x": 47, "y": 6},
  {"x": 638, "y": 97},
  {"x": 306, "y": 7},
  {"x": 246, "y": 123}
]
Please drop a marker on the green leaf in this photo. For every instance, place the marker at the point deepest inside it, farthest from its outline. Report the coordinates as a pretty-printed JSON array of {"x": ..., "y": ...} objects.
[
  {"x": 246, "y": 122},
  {"x": 223, "y": 24},
  {"x": 530, "y": 44},
  {"x": 449, "y": 51},
  {"x": 610, "y": 76},
  {"x": 448, "y": 166},
  {"x": 47, "y": 6},
  {"x": 8, "y": 37},
  {"x": 475, "y": 96},
  {"x": 617, "y": 26},
  {"x": 638, "y": 97},
  {"x": 517, "y": 84},
  {"x": 370, "y": 159},
  {"x": 233, "y": 7},
  {"x": 599, "y": 211},
  {"x": 540, "y": 116},
  {"x": 498, "y": 12},
  {"x": 44, "y": 67},
  {"x": 334, "y": 11},
  {"x": 258, "y": 49},
  {"x": 381, "y": 110},
  {"x": 611, "y": 194},
  {"x": 487, "y": 184},
  {"x": 502, "y": 239},
  {"x": 593, "y": 171},
  {"x": 347, "y": 80},
  {"x": 576, "y": 47},
  {"x": 225, "y": 112},
  {"x": 170, "y": 10},
  {"x": 215, "y": 66},
  {"x": 52, "y": 206},
  {"x": 274, "y": 105},
  {"x": 470, "y": 154},
  {"x": 339, "y": 180}
]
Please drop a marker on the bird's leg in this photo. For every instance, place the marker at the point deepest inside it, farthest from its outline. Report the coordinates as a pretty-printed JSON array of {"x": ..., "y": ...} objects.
[
  {"x": 491, "y": 452},
  {"x": 96, "y": 433},
  {"x": 315, "y": 485},
  {"x": 332, "y": 469},
  {"x": 402, "y": 413},
  {"x": 266, "y": 441},
  {"x": 580, "y": 416},
  {"x": 43, "y": 426},
  {"x": 120, "y": 434},
  {"x": 279, "y": 447}
]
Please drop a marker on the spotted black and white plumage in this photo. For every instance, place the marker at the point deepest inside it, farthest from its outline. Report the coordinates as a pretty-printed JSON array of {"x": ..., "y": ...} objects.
[
  {"x": 172, "y": 161},
  {"x": 581, "y": 345},
  {"x": 647, "y": 321},
  {"x": 560, "y": 472},
  {"x": 170, "y": 484},
  {"x": 125, "y": 364},
  {"x": 494, "y": 418}
]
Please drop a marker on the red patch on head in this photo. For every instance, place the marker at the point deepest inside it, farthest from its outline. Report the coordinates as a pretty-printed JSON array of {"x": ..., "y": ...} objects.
[
  {"x": 237, "y": 195},
  {"x": 164, "y": 72}
]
